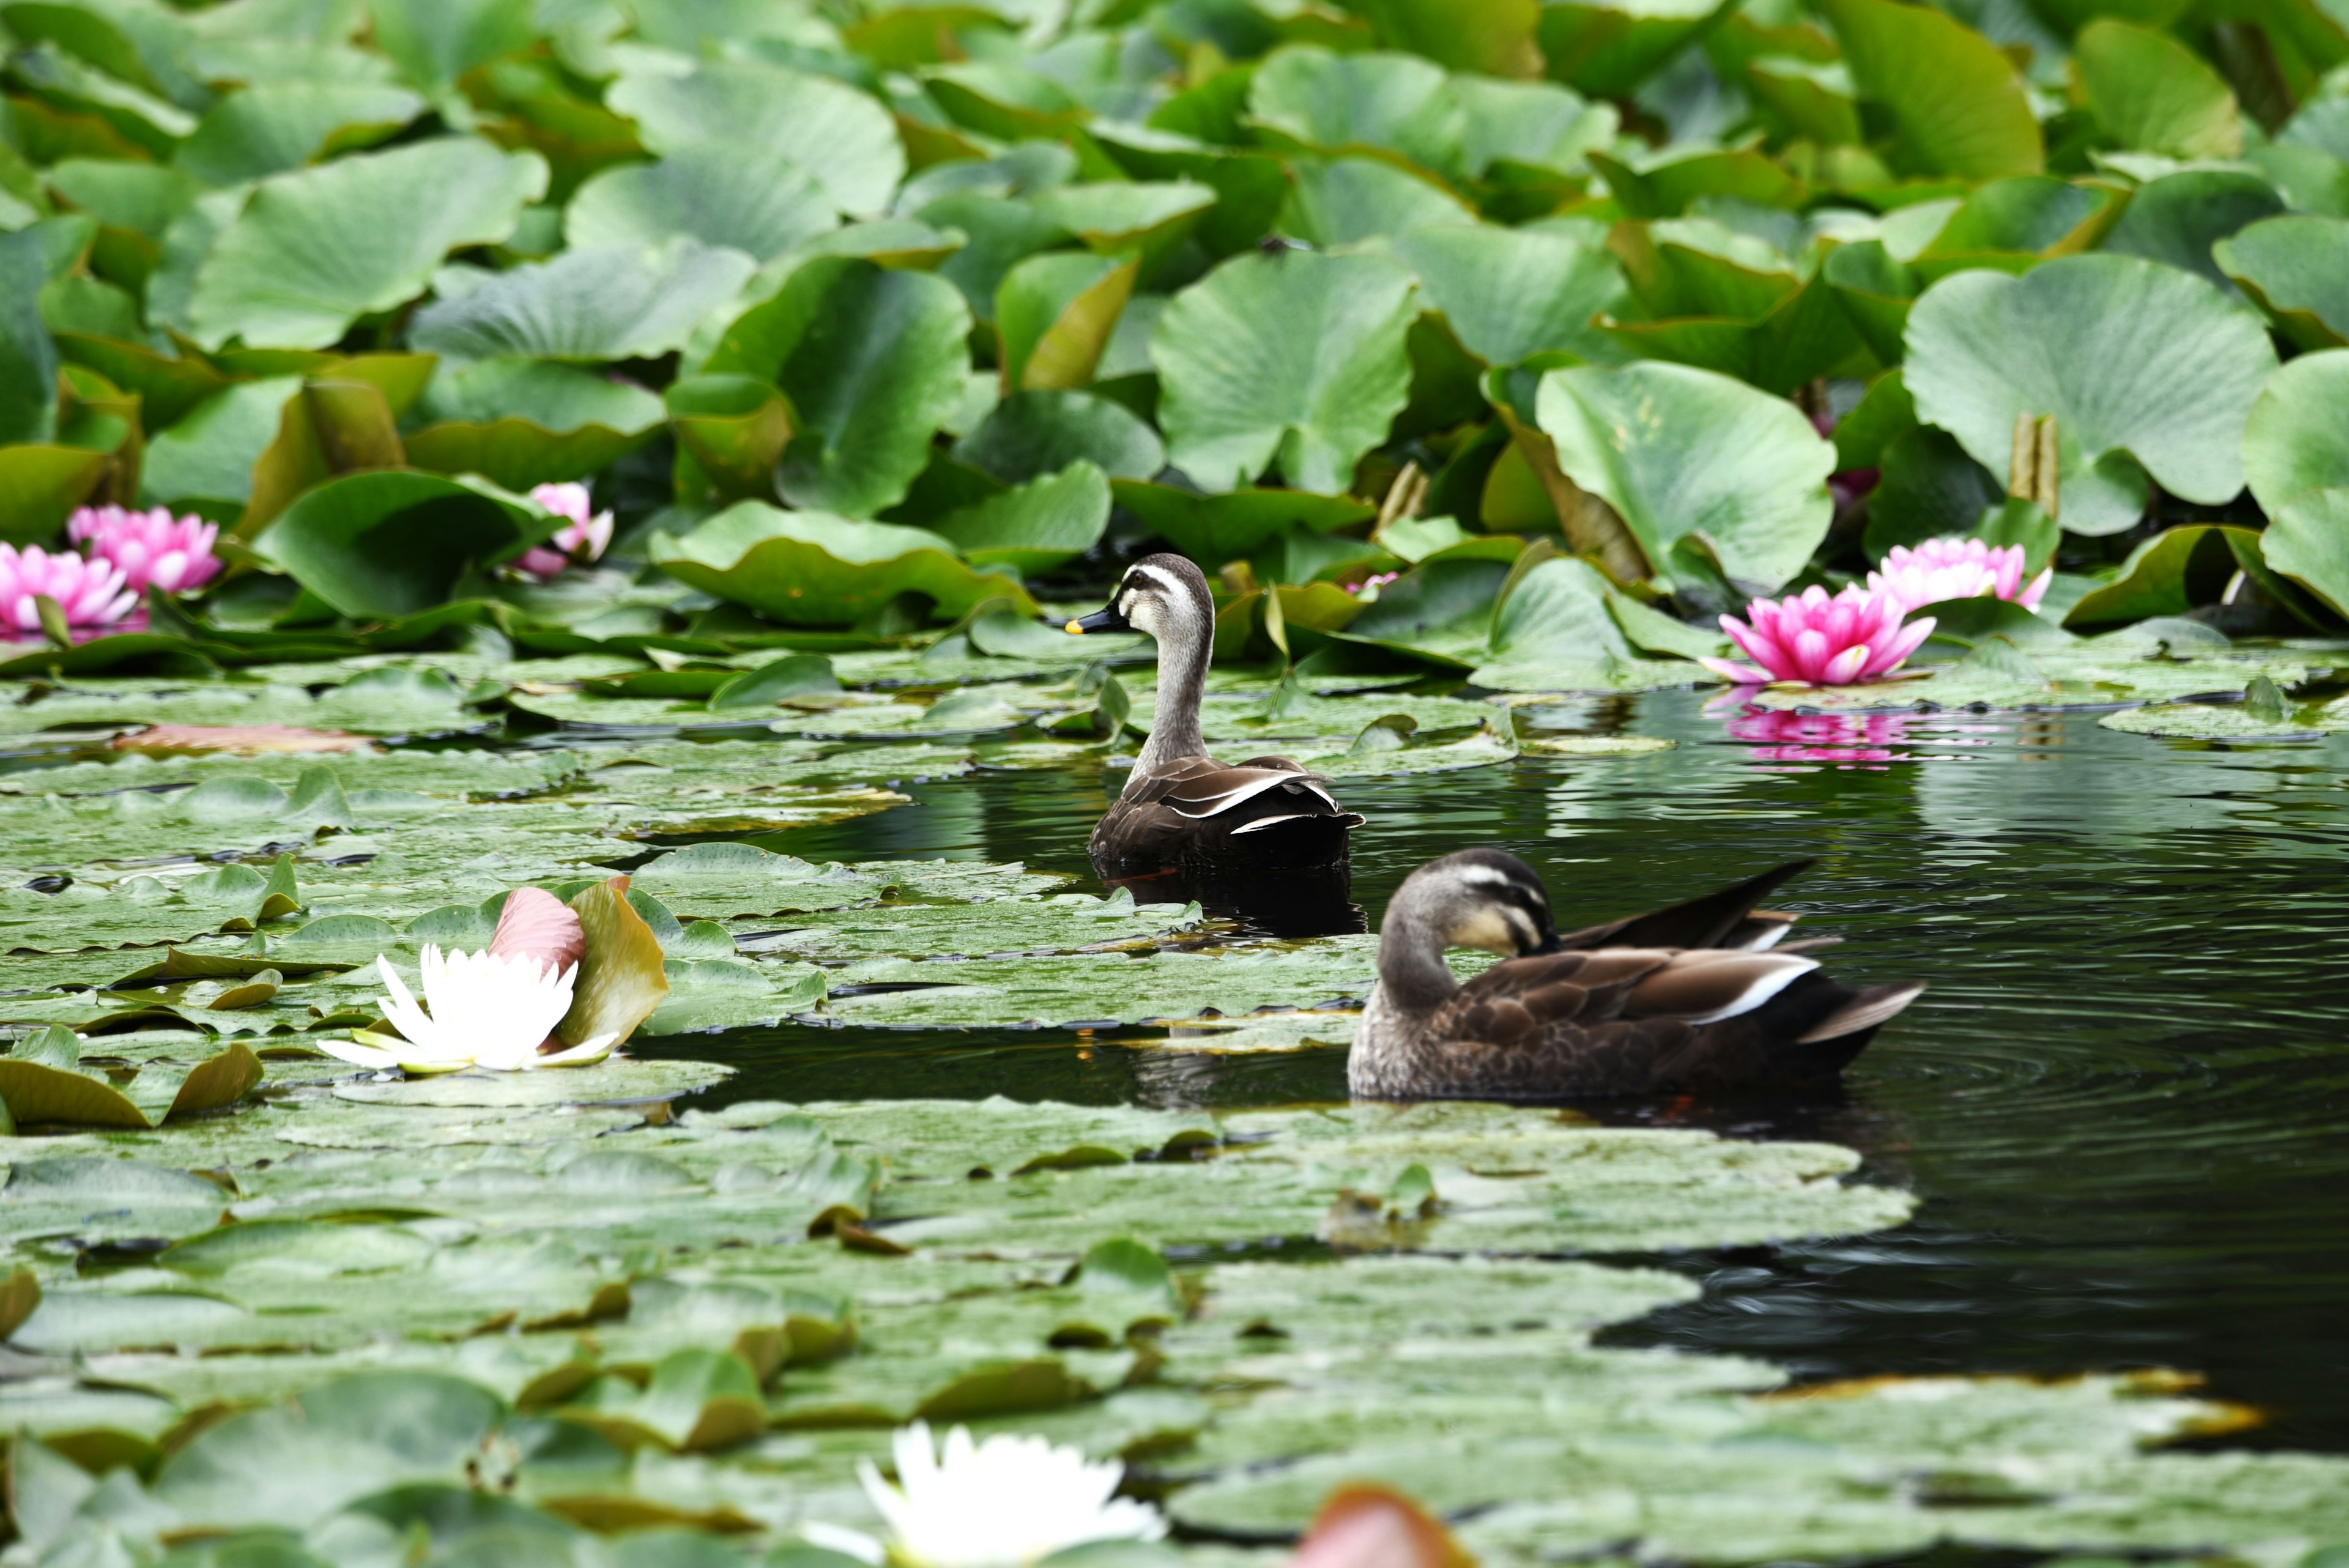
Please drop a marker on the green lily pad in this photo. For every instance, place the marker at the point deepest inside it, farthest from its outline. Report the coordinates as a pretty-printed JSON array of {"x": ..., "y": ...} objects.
[
  {"x": 251, "y": 283},
  {"x": 2103, "y": 343},
  {"x": 1959, "y": 104},
  {"x": 842, "y": 138},
  {"x": 811, "y": 568},
  {"x": 396, "y": 541},
  {"x": 270, "y": 127},
  {"x": 1508, "y": 294},
  {"x": 754, "y": 201},
  {"x": 1035, "y": 526},
  {"x": 519, "y": 422},
  {"x": 2152, "y": 93},
  {"x": 619, "y": 301},
  {"x": 2283, "y": 263},
  {"x": 1294, "y": 360},
  {"x": 1652, "y": 441}
]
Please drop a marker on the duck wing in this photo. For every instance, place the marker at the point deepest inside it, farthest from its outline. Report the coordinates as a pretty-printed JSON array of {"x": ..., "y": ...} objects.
[
  {"x": 1723, "y": 920},
  {"x": 1199, "y": 808},
  {"x": 1627, "y": 1019}
]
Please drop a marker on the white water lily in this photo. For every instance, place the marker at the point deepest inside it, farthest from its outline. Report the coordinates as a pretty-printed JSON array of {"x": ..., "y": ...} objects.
[
  {"x": 487, "y": 1011},
  {"x": 1003, "y": 1503}
]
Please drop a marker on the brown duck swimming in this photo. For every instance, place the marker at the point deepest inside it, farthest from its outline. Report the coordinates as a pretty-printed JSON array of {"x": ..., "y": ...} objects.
[
  {"x": 1180, "y": 807},
  {"x": 1690, "y": 997}
]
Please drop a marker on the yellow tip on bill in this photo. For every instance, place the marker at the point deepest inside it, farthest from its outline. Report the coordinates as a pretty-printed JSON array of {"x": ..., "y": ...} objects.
[{"x": 1074, "y": 630}]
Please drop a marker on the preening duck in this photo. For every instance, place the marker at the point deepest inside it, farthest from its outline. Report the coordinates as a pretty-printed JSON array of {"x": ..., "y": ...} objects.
[
  {"x": 1697, "y": 996},
  {"x": 1180, "y": 807}
]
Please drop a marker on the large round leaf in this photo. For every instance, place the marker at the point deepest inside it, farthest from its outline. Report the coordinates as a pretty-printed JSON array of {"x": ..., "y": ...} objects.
[
  {"x": 1509, "y": 294},
  {"x": 616, "y": 301},
  {"x": 273, "y": 127},
  {"x": 525, "y": 421},
  {"x": 813, "y": 569},
  {"x": 1035, "y": 526},
  {"x": 1958, "y": 100},
  {"x": 1607, "y": 48},
  {"x": 748, "y": 198},
  {"x": 2181, "y": 218},
  {"x": 1345, "y": 201},
  {"x": 314, "y": 250},
  {"x": 1714, "y": 479},
  {"x": 29, "y": 355},
  {"x": 873, "y": 361},
  {"x": 2296, "y": 438},
  {"x": 1313, "y": 97},
  {"x": 2154, "y": 94},
  {"x": 394, "y": 542},
  {"x": 1029, "y": 434},
  {"x": 2146, "y": 371},
  {"x": 842, "y": 137},
  {"x": 1297, "y": 360},
  {"x": 2293, "y": 266},
  {"x": 1213, "y": 529}
]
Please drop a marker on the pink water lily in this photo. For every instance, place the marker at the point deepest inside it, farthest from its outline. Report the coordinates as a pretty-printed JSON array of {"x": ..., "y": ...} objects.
[
  {"x": 584, "y": 539},
  {"x": 1808, "y": 636},
  {"x": 153, "y": 547},
  {"x": 90, "y": 593},
  {"x": 1372, "y": 584},
  {"x": 1942, "y": 570}
]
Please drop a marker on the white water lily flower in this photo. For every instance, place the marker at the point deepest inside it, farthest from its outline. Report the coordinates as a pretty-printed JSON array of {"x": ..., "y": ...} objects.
[
  {"x": 487, "y": 1011},
  {"x": 1003, "y": 1503}
]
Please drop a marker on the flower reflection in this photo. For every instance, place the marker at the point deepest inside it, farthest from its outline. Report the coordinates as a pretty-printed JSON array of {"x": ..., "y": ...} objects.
[{"x": 1836, "y": 740}]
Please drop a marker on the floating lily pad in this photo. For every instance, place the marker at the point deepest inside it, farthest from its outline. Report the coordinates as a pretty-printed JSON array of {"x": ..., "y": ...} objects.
[{"x": 812, "y": 568}]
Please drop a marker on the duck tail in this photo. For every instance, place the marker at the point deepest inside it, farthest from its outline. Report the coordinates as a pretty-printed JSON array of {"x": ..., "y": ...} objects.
[{"x": 1864, "y": 1012}]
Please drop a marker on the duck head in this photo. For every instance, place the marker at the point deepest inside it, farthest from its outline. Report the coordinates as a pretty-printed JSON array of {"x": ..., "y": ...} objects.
[
  {"x": 1475, "y": 899},
  {"x": 1158, "y": 595}
]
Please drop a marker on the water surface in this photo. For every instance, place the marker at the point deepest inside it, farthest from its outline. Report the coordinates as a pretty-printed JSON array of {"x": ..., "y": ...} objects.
[{"x": 2121, "y": 1103}]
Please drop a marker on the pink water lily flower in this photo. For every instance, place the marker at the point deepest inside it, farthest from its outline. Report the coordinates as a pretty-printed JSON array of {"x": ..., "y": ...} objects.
[
  {"x": 1372, "y": 584},
  {"x": 1942, "y": 570},
  {"x": 90, "y": 593},
  {"x": 1808, "y": 636},
  {"x": 153, "y": 547},
  {"x": 585, "y": 538}
]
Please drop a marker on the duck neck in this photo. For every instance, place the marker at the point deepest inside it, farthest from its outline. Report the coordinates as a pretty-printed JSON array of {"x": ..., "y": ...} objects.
[
  {"x": 1183, "y": 651},
  {"x": 1413, "y": 975}
]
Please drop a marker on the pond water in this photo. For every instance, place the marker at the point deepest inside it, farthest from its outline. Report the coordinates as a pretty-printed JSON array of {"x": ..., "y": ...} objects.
[{"x": 2122, "y": 1102}]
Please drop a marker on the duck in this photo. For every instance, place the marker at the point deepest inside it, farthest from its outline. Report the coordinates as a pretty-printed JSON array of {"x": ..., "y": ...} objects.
[
  {"x": 1702, "y": 995},
  {"x": 1180, "y": 807}
]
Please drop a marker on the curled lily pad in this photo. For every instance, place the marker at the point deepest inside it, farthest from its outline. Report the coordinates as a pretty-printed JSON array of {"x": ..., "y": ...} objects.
[
  {"x": 42, "y": 1081},
  {"x": 811, "y": 568},
  {"x": 394, "y": 543},
  {"x": 520, "y": 422}
]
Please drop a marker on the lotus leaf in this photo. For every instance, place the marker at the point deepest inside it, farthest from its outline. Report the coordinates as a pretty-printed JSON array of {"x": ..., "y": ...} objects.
[
  {"x": 1294, "y": 360},
  {"x": 841, "y": 138},
  {"x": 2148, "y": 372},
  {"x": 752, "y": 200},
  {"x": 1653, "y": 440},
  {"x": 276, "y": 276},
  {"x": 2283, "y": 263},
  {"x": 613, "y": 302},
  {"x": 811, "y": 568}
]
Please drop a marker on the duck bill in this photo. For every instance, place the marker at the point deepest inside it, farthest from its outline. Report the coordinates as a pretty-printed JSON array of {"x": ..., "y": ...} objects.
[{"x": 1103, "y": 619}]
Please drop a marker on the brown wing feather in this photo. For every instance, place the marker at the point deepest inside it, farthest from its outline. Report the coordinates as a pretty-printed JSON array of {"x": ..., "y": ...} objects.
[{"x": 1199, "y": 810}]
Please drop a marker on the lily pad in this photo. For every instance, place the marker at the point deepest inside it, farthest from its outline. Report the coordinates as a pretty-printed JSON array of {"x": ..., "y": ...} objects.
[
  {"x": 1294, "y": 360},
  {"x": 2106, "y": 345},
  {"x": 811, "y": 568},
  {"x": 613, "y": 302}
]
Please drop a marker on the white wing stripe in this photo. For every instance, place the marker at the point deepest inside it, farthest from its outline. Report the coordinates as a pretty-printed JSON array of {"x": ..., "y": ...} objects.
[{"x": 1782, "y": 973}]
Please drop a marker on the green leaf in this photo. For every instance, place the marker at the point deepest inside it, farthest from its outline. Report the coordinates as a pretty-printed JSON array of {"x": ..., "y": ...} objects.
[
  {"x": 1509, "y": 293},
  {"x": 521, "y": 422},
  {"x": 747, "y": 198},
  {"x": 28, "y": 355},
  {"x": 812, "y": 568},
  {"x": 1296, "y": 361},
  {"x": 1607, "y": 50},
  {"x": 842, "y": 138},
  {"x": 1313, "y": 97},
  {"x": 618, "y": 302},
  {"x": 211, "y": 453},
  {"x": 310, "y": 252},
  {"x": 1213, "y": 529},
  {"x": 2289, "y": 266},
  {"x": 1030, "y": 434},
  {"x": 2307, "y": 539},
  {"x": 621, "y": 980},
  {"x": 2181, "y": 218},
  {"x": 2295, "y": 440},
  {"x": 1959, "y": 103},
  {"x": 794, "y": 675},
  {"x": 872, "y": 362},
  {"x": 735, "y": 427},
  {"x": 1345, "y": 201},
  {"x": 1928, "y": 489},
  {"x": 1055, "y": 314},
  {"x": 696, "y": 1399},
  {"x": 273, "y": 127},
  {"x": 2153, "y": 94},
  {"x": 41, "y": 485},
  {"x": 395, "y": 542},
  {"x": 2146, "y": 371},
  {"x": 434, "y": 42},
  {"x": 2168, "y": 574},
  {"x": 1714, "y": 479},
  {"x": 1034, "y": 526}
]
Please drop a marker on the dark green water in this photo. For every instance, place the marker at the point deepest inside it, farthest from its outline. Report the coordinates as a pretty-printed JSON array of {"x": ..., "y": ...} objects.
[{"x": 2122, "y": 1101}]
